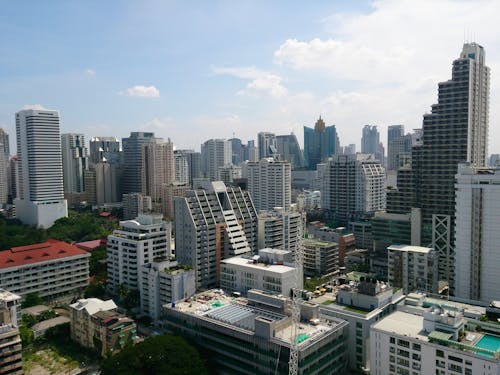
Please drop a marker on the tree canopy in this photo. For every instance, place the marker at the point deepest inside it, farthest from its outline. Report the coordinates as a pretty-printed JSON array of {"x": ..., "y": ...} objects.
[{"x": 166, "y": 354}]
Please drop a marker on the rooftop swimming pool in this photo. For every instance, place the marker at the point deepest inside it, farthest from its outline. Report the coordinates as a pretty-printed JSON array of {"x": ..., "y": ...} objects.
[{"x": 490, "y": 342}]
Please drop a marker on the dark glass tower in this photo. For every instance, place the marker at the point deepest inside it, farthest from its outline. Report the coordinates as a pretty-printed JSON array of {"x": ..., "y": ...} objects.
[
  {"x": 319, "y": 143},
  {"x": 455, "y": 131}
]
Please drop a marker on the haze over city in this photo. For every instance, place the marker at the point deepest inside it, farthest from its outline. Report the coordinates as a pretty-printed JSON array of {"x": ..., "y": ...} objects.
[{"x": 192, "y": 71}]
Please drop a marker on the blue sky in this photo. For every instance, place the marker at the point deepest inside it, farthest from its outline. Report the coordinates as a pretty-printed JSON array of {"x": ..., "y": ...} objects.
[{"x": 194, "y": 70}]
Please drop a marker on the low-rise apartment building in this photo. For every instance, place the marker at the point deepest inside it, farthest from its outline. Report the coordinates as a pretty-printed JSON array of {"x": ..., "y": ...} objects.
[{"x": 53, "y": 269}]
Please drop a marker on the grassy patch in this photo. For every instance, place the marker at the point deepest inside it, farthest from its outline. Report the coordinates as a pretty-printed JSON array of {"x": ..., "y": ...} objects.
[
  {"x": 327, "y": 302},
  {"x": 356, "y": 310},
  {"x": 57, "y": 356},
  {"x": 313, "y": 282}
]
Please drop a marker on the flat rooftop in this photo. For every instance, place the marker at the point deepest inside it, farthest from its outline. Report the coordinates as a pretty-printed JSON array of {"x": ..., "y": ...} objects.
[
  {"x": 408, "y": 248},
  {"x": 245, "y": 262},
  {"x": 6, "y": 296},
  {"x": 404, "y": 324},
  {"x": 215, "y": 305}
]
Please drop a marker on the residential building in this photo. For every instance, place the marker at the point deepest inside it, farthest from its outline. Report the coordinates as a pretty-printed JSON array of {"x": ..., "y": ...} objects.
[
  {"x": 269, "y": 183},
  {"x": 280, "y": 229},
  {"x": 350, "y": 149},
  {"x": 477, "y": 214},
  {"x": 345, "y": 239},
  {"x": 194, "y": 164},
  {"x": 494, "y": 160},
  {"x": 12, "y": 178},
  {"x": 362, "y": 231},
  {"x": 267, "y": 145},
  {"x": 104, "y": 148},
  {"x": 53, "y": 269},
  {"x": 320, "y": 143},
  {"x": 251, "y": 152},
  {"x": 135, "y": 243},
  {"x": 413, "y": 268},
  {"x": 306, "y": 179},
  {"x": 361, "y": 305},
  {"x": 215, "y": 153},
  {"x": 132, "y": 160},
  {"x": 433, "y": 337},
  {"x": 181, "y": 167},
  {"x": 162, "y": 282},
  {"x": 228, "y": 173},
  {"x": 169, "y": 191},
  {"x": 353, "y": 187},
  {"x": 40, "y": 196},
  {"x": 95, "y": 324},
  {"x": 448, "y": 140},
  {"x": 309, "y": 200},
  {"x": 10, "y": 341},
  {"x": 212, "y": 223},
  {"x": 398, "y": 145},
  {"x": 272, "y": 271},
  {"x": 107, "y": 182},
  {"x": 288, "y": 149},
  {"x": 370, "y": 143},
  {"x": 320, "y": 258},
  {"x": 135, "y": 204},
  {"x": 157, "y": 169},
  {"x": 253, "y": 335},
  {"x": 4, "y": 181},
  {"x": 74, "y": 162}
]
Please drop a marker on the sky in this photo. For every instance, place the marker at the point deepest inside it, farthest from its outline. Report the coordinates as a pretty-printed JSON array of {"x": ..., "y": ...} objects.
[{"x": 195, "y": 70}]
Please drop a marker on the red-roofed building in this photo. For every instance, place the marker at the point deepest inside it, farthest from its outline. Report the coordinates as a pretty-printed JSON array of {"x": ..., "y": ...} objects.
[
  {"x": 89, "y": 246},
  {"x": 52, "y": 269}
]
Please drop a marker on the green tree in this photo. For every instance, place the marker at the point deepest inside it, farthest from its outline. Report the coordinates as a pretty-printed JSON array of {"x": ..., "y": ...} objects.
[
  {"x": 95, "y": 290},
  {"x": 165, "y": 354},
  {"x": 32, "y": 299}
]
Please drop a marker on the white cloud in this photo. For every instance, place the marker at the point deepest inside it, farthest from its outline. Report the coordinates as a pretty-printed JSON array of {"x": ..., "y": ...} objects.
[
  {"x": 262, "y": 83},
  {"x": 142, "y": 91},
  {"x": 36, "y": 107},
  {"x": 384, "y": 65},
  {"x": 90, "y": 72}
]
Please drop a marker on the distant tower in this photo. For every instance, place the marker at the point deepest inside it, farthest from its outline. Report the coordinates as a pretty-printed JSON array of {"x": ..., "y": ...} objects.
[
  {"x": 267, "y": 145},
  {"x": 40, "y": 189},
  {"x": 74, "y": 159},
  {"x": 319, "y": 143},
  {"x": 132, "y": 160},
  {"x": 215, "y": 153}
]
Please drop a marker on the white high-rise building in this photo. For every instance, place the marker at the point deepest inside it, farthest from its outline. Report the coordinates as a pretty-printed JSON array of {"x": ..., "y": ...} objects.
[
  {"x": 213, "y": 223},
  {"x": 215, "y": 153},
  {"x": 4, "y": 186},
  {"x": 270, "y": 183},
  {"x": 74, "y": 161},
  {"x": 477, "y": 235},
  {"x": 280, "y": 229},
  {"x": 181, "y": 167},
  {"x": 135, "y": 243},
  {"x": 352, "y": 186},
  {"x": 40, "y": 187}
]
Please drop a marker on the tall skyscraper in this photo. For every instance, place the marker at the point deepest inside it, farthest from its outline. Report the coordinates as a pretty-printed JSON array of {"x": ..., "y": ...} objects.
[
  {"x": 370, "y": 143},
  {"x": 181, "y": 167},
  {"x": 104, "y": 148},
  {"x": 236, "y": 151},
  {"x": 4, "y": 163},
  {"x": 215, "y": 153},
  {"x": 267, "y": 145},
  {"x": 157, "y": 169},
  {"x": 40, "y": 189},
  {"x": 477, "y": 258},
  {"x": 211, "y": 224},
  {"x": 193, "y": 160},
  {"x": 398, "y": 146},
  {"x": 270, "y": 184},
  {"x": 289, "y": 150},
  {"x": 454, "y": 132},
  {"x": 132, "y": 160},
  {"x": 353, "y": 187},
  {"x": 74, "y": 159},
  {"x": 319, "y": 143}
]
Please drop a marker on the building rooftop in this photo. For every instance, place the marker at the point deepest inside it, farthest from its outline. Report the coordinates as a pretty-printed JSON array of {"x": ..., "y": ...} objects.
[
  {"x": 216, "y": 306},
  {"x": 93, "y": 305},
  {"x": 246, "y": 262},
  {"x": 6, "y": 296},
  {"x": 41, "y": 252},
  {"x": 315, "y": 242},
  {"x": 404, "y": 324},
  {"x": 91, "y": 245},
  {"x": 35, "y": 310},
  {"x": 415, "y": 249}
]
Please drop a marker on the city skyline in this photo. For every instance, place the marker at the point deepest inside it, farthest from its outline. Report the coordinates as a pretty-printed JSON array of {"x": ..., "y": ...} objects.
[{"x": 222, "y": 81}]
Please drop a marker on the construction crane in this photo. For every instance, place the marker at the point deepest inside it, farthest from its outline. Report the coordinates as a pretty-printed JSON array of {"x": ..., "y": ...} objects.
[{"x": 293, "y": 363}]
